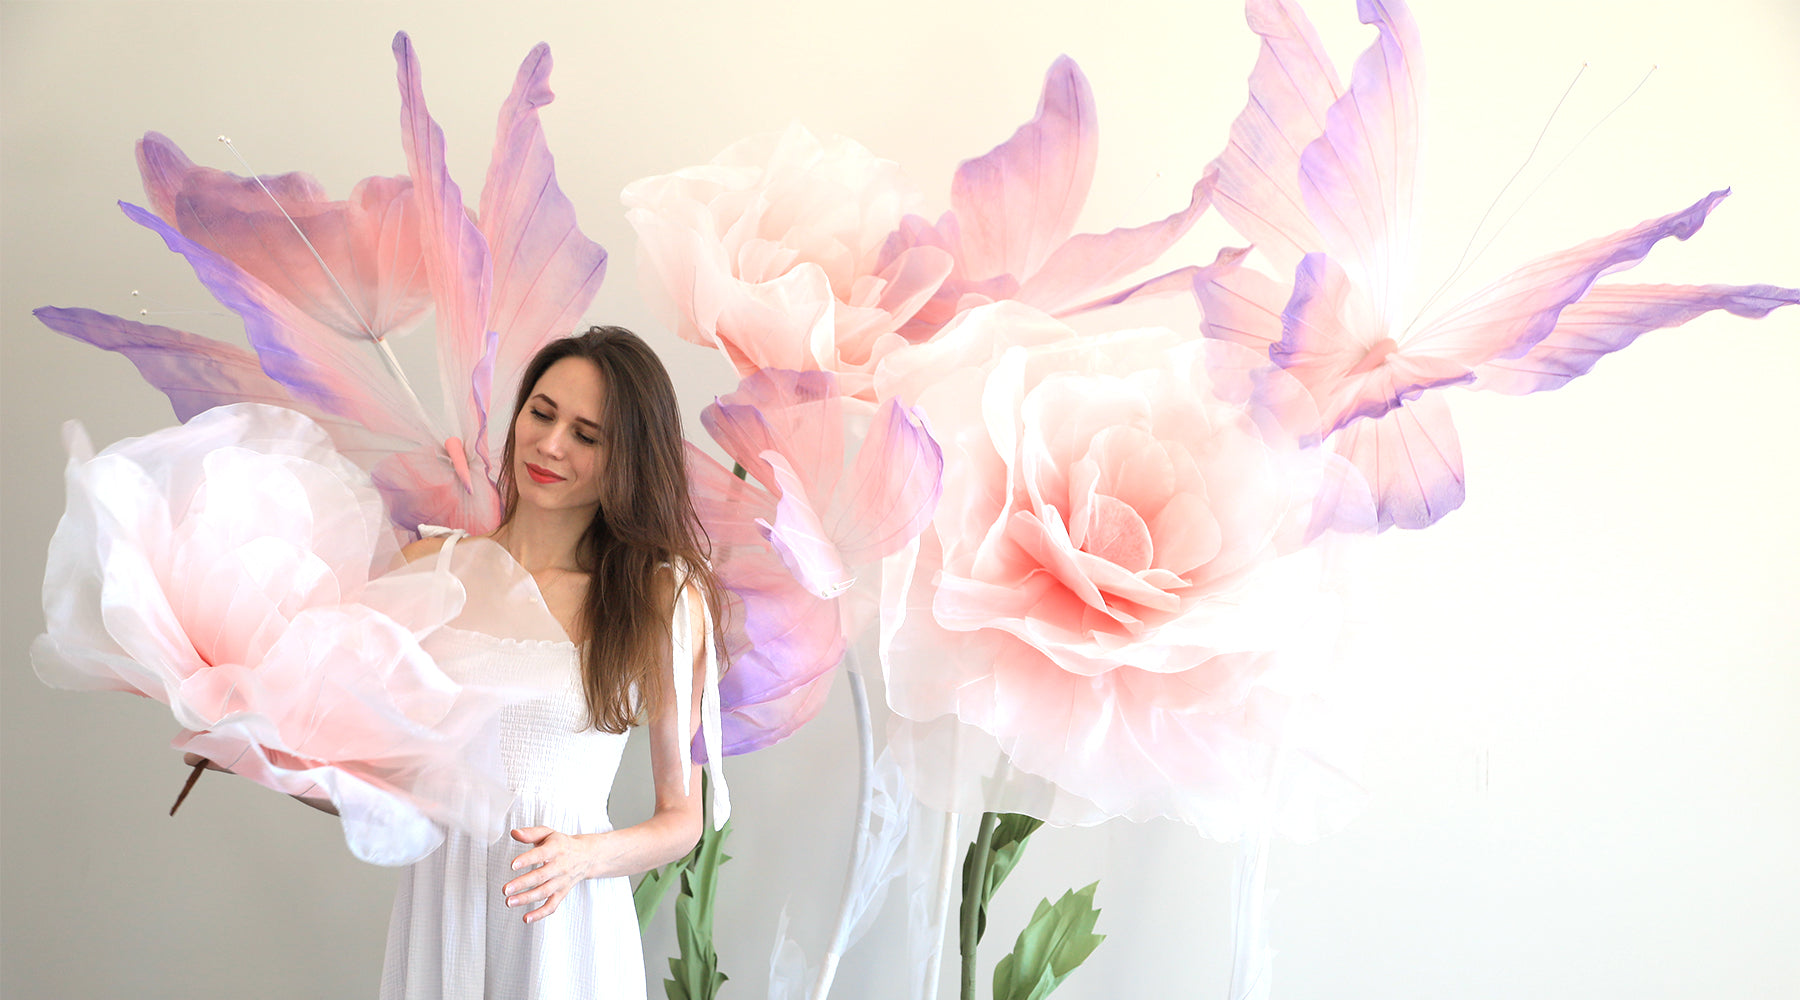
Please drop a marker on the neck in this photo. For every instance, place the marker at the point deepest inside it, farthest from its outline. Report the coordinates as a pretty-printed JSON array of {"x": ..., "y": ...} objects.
[{"x": 544, "y": 539}]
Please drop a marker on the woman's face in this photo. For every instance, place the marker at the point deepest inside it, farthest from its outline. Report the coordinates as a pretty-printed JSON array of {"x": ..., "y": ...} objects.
[{"x": 559, "y": 450}]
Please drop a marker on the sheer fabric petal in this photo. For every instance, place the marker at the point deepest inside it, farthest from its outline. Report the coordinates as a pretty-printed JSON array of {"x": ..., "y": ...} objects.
[{"x": 224, "y": 568}]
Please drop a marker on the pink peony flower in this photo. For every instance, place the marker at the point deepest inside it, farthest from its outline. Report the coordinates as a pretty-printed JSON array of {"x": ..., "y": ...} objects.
[
  {"x": 265, "y": 636},
  {"x": 773, "y": 254},
  {"x": 1112, "y": 588}
]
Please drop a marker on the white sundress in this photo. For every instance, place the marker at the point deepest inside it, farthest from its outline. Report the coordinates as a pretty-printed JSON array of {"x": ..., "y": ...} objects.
[{"x": 451, "y": 936}]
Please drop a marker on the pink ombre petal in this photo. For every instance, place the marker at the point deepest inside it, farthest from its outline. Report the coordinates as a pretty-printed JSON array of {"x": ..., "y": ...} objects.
[
  {"x": 545, "y": 271},
  {"x": 743, "y": 432},
  {"x": 752, "y": 726},
  {"x": 317, "y": 366},
  {"x": 1331, "y": 353},
  {"x": 1345, "y": 503},
  {"x": 370, "y": 283},
  {"x": 167, "y": 172},
  {"x": 456, "y": 255},
  {"x": 1242, "y": 306},
  {"x": 1357, "y": 178},
  {"x": 892, "y": 490},
  {"x": 798, "y": 415},
  {"x": 1084, "y": 264},
  {"x": 1412, "y": 461},
  {"x": 669, "y": 270},
  {"x": 1611, "y": 317},
  {"x": 911, "y": 279},
  {"x": 421, "y": 485},
  {"x": 1046, "y": 541},
  {"x": 1016, "y": 203},
  {"x": 249, "y": 629},
  {"x": 1508, "y": 317},
  {"x": 781, "y": 323},
  {"x": 384, "y": 229},
  {"x": 1292, "y": 90},
  {"x": 781, "y": 412},
  {"x": 198, "y": 374},
  {"x": 1187, "y": 535},
  {"x": 778, "y": 636},
  {"x": 799, "y": 537},
  {"x": 194, "y": 372},
  {"x": 1280, "y": 406}
]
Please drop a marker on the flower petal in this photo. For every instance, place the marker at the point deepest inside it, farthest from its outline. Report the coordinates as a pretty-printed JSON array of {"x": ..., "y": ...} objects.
[
  {"x": 1610, "y": 317},
  {"x": 1016, "y": 203},
  {"x": 545, "y": 271}
]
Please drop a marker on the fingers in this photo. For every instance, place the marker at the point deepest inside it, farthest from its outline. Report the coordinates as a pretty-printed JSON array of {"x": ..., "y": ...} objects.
[
  {"x": 549, "y": 877},
  {"x": 541, "y": 885},
  {"x": 549, "y": 893}
]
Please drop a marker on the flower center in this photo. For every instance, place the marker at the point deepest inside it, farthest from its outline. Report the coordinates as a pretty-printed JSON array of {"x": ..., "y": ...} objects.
[{"x": 1117, "y": 534}]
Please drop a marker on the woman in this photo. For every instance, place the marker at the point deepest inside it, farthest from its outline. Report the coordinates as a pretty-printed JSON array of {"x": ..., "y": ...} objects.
[{"x": 593, "y": 597}]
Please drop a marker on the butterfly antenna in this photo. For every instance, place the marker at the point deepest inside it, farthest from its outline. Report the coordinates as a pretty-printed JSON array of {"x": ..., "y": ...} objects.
[
  {"x": 1572, "y": 150},
  {"x": 149, "y": 313},
  {"x": 1465, "y": 261},
  {"x": 387, "y": 354}
]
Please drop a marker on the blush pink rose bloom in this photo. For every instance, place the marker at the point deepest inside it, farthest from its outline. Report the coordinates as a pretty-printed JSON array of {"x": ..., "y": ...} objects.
[
  {"x": 773, "y": 254},
  {"x": 1110, "y": 611},
  {"x": 223, "y": 567}
]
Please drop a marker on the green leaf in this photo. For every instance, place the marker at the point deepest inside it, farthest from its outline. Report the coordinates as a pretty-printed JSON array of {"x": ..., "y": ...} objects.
[
  {"x": 1009, "y": 846},
  {"x": 655, "y": 885},
  {"x": 1004, "y": 849},
  {"x": 1057, "y": 939},
  {"x": 694, "y": 970}
]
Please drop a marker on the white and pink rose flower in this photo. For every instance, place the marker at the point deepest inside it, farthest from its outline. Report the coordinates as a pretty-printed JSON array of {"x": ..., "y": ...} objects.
[
  {"x": 773, "y": 253},
  {"x": 1108, "y": 613}
]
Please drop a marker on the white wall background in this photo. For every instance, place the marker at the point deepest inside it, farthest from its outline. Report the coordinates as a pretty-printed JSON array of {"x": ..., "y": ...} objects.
[{"x": 1583, "y": 759}]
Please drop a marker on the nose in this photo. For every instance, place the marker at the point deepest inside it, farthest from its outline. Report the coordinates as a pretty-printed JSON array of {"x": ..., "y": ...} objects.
[{"x": 555, "y": 442}]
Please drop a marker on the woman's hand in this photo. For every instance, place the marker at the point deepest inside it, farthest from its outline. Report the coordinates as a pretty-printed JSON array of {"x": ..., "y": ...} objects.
[{"x": 557, "y": 863}]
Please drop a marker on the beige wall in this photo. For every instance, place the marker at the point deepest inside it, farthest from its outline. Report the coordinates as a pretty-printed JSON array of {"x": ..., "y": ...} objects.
[{"x": 1607, "y": 631}]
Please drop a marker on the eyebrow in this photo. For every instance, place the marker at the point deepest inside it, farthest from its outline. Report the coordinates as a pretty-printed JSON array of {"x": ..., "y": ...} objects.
[{"x": 580, "y": 420}]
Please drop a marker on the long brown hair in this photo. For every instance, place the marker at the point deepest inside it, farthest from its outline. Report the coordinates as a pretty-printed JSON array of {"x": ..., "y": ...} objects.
[{"x": 646, "y": 519}]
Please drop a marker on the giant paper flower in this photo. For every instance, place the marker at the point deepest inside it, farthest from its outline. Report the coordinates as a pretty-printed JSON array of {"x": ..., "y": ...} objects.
[
  {"x": 818, "y": 505},
  {"x": 773, "y": 254},
  {"x": 1321, "y": 179},
  {"x": 503, "y": 283},
  {"x": 1108, "y": 581},
  {"x": 264, "y": 634}
]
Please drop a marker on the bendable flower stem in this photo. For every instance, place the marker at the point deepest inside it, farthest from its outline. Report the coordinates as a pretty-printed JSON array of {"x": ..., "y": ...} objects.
[
  {"x": 859, "y": 844},
  {"x": 974, "y": 877},
  {"x": 188, "y": 786},
  {"x": 940, "y": 906}
]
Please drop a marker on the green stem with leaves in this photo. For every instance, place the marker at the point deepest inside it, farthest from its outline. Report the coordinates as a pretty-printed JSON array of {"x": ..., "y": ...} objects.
[{"x": 975, "y": 872}]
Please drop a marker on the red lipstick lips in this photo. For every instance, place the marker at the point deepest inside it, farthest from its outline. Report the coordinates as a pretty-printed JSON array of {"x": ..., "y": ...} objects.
[{"x": 541, "y": 475}]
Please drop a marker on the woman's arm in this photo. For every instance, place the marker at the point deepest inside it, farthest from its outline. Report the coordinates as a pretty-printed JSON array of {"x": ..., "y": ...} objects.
[{"x": 562, "y": 860}]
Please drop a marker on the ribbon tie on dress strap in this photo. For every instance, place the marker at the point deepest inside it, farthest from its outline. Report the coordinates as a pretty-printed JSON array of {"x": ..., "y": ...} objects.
[{"x": 681, "y": 662}]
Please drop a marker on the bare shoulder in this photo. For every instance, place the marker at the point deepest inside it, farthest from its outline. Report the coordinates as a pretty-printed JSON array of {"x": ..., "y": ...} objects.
[{"x": 420, "y": 549}]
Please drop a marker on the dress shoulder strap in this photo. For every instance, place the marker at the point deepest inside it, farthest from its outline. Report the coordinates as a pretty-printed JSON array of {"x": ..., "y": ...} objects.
[
  {"x": 682, "y": 665},
  {"x": 450, "y": 536}
]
